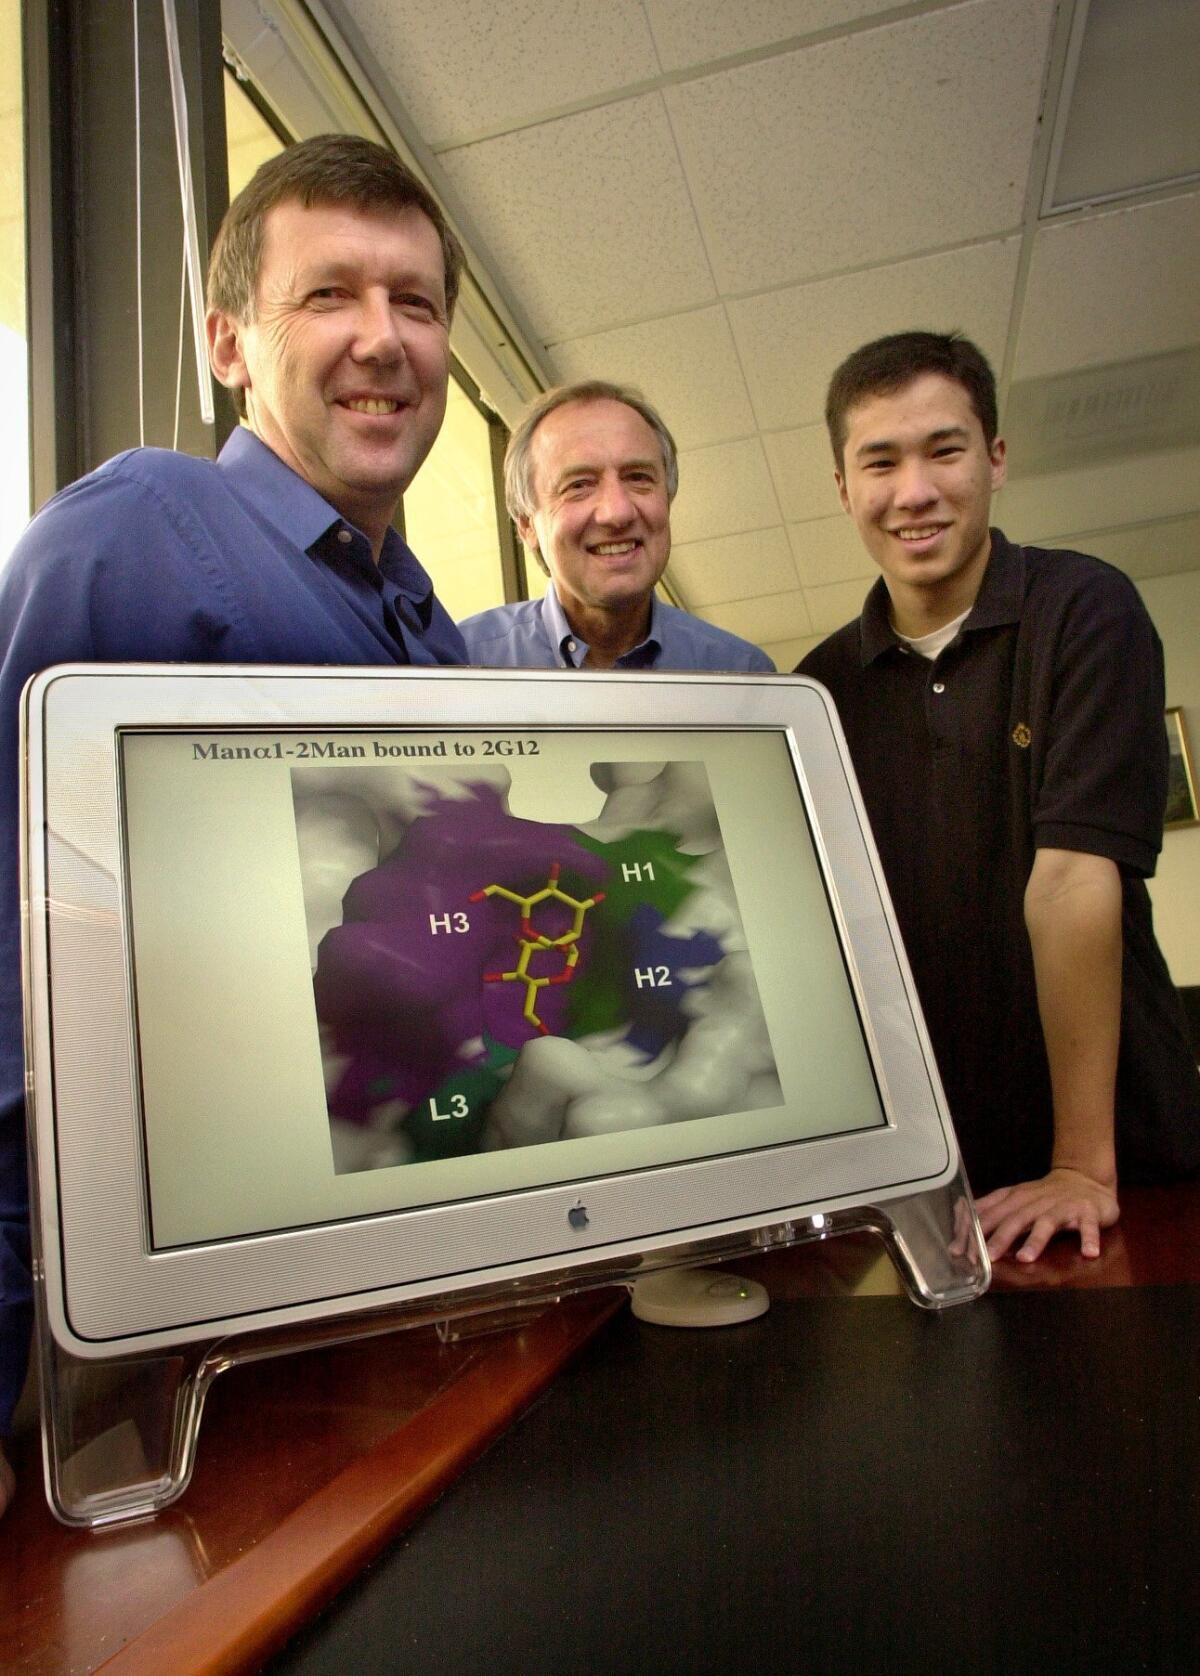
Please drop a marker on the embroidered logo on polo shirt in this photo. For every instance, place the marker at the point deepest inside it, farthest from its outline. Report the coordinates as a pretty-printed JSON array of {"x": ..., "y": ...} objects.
[{"x": 1021, "y": 736}]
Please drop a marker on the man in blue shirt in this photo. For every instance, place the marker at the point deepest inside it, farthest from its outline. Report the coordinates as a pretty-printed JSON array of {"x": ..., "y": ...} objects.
[
  {"x": 331, "y": 286},
  {"x": 589, "y": 477}
]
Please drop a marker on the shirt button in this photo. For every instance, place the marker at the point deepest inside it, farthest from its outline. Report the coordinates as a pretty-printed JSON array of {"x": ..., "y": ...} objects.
[
  {"x": 345, "y": 537},
  {"x": 571, "y": 646},
  {"x": 939, "y": 686}
]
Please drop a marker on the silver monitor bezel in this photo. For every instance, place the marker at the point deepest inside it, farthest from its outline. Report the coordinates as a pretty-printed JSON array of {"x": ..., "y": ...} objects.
[{"x": 106, "y": 1293}]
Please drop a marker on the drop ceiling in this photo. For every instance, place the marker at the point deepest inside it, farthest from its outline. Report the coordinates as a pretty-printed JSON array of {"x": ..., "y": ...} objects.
[{"x": 717, "y": 202}]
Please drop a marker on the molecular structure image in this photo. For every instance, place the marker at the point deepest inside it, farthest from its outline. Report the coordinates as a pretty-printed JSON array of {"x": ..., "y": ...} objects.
[{"x": 533, "y": 942}]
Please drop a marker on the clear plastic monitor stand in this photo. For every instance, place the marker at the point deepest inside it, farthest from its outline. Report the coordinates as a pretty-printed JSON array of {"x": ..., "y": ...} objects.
[{"x": 120, "y": 1436}]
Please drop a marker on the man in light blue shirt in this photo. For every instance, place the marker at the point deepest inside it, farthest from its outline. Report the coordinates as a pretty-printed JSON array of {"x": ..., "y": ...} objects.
[{"x": 589, "y": 477}]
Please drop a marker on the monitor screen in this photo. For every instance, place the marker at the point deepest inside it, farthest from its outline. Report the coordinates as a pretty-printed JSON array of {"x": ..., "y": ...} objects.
[
  {"x": 378, "y": 970},
  {"x": 352, "y": 989}
]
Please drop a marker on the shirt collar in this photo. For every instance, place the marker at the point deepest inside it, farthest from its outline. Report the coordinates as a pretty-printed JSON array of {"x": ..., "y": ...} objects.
[
  {"x": 875, "y": 632},
  {"x": 997, "y": 603},
  {"x": 280, "y": 494},
  {"x": 562, "y": 637},
  {"x": 303, "y": 517},
  {"x": 654, "y": 632},
  {"x": 1002, "y": 592},
  {"x": 571, "y": 649}
]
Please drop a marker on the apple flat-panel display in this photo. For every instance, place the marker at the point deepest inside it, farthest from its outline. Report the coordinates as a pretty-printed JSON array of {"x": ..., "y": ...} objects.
[{"x": 353, "y": 989}]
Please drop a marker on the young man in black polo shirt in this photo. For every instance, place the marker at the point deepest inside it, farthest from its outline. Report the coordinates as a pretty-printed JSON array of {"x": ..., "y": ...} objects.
[{"x": 1004, "y": 710}]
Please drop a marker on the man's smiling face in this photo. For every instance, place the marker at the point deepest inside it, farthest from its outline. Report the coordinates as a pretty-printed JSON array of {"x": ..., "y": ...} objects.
[
  {"x": 346, "y": 361},
  {"x": 917, "y": 478},
  {"x": 602, "y": 523}
]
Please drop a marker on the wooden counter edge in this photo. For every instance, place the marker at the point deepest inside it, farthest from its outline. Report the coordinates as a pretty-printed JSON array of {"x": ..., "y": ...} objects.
[{"x": 242, "y": 1616}]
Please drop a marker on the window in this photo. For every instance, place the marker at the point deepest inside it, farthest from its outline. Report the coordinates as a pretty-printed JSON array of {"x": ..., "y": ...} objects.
[
  {"x": 250, "y": 139},
  {"x": 536, "y": 580},
  {"x": 14, "y": 434},
  {"x": 453, "y": 513}
]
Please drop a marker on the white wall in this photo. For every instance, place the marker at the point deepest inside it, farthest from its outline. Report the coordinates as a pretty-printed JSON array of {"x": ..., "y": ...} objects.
[{"x": 1174, "y": 604}]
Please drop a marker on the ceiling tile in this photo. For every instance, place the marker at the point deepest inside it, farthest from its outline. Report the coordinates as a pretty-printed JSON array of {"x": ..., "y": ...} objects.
[
  {"x": 802, "y": 469},
  {"x": 724, "y": 490},
  {"x": 690, "y": 32},
  {"x": 790, "y": 341},
  {"x": 1134, "y": 117},
  {"x": 832, "y": 606},
  {"x": 1087, "y": 277},
  {"x": 733, "y": 567},
  {"x": 579, "y": 247},
  {"x": 878, "y": 145},
  {"x": 829, "y": 550},
  {"x": 782, "y": 616},
  {"x": 686, "y": 365},
  {"x": 1117, "y": 493},
  {"x": 472, "y": 66},
  {"x": 1157, "y": 549}
]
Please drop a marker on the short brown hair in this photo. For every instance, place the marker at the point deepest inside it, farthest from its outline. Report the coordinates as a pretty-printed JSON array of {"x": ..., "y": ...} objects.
[
  {"x": 886, "y": 365},
  {"x": 518, "y": 463},
  {"x": 329, "y": 169}
]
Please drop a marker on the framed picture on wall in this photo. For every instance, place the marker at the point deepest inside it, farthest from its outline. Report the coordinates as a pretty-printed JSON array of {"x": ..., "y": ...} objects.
[{"x": 1181, "y": 781}]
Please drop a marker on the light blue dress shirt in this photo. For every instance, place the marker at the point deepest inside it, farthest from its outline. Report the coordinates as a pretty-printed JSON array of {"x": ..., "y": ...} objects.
[{"x": 535, "y": 634}]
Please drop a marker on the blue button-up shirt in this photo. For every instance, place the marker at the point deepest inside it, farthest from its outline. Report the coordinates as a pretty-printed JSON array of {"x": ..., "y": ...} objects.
[
  {"x": 535, "y": 634},
  {"x": 161, "y": 558}
]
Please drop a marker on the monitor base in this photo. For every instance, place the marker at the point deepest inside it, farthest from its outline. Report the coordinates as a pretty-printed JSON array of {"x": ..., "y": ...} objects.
[
  {"x": 698, "y": 1298},
  {"x": 119, "y": 1435}
]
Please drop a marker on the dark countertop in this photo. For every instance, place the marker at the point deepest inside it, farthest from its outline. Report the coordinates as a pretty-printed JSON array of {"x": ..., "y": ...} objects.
[{"x": 309, "y": 1465}]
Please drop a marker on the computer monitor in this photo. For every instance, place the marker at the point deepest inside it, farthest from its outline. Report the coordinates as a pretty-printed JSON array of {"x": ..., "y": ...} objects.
[{"x": 416, "y": 991}]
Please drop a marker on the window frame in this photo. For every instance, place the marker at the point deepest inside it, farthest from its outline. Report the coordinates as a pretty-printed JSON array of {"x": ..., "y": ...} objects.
[{"x": 81, "y": 228}]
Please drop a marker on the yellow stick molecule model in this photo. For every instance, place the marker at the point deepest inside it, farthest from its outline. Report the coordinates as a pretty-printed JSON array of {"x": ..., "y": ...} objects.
[{"x": 532, "y": 941}]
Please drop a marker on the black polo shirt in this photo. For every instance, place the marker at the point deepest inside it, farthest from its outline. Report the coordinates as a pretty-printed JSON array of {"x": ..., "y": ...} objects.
[{"x": 1039, "y": 726}]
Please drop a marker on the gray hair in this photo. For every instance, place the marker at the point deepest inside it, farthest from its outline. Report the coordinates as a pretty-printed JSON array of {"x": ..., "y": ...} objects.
[{"x": 518, "y": 462}]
